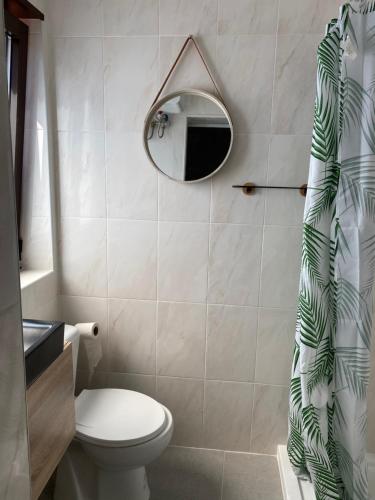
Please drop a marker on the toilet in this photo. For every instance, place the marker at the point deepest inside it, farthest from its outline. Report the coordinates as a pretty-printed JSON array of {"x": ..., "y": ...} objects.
[{"x": 118, "y": 433}]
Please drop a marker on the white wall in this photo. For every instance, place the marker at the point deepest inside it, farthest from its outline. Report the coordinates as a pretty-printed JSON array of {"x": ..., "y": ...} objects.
[
  {"x": 39, "y": 297},
  {"x": 14, "y": 465},
  {"x": 195, "y": 285},
  {"x": 36, "y": 203}
]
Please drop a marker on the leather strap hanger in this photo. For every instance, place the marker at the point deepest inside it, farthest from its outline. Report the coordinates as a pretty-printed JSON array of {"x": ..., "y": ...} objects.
[{"x": 189, "y": 39}]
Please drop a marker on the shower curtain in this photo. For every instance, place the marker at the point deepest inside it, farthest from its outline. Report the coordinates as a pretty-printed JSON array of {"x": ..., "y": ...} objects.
[{"x": 331, "y": 365}]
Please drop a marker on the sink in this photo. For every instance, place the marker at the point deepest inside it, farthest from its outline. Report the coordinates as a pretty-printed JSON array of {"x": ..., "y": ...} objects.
[{"x": 43, "y": 343}]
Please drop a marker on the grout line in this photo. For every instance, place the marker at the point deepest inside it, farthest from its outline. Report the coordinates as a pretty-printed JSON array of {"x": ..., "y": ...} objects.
[
  {"x": 290, "y": 309},
  {"x": 159, "y": 19},
  {"x": 207, "y": 307},
  {"x": 269, "y": 154},
  {"x": 222, "y": 476},
  {"x": 193, "y": 379},
  {"x": 274, "y": 68},
  {"x": 264, "y": 223},
  {"x": 236, "y": 133},
  {"x": 206, "y": 223},
  {"x": 102, "y": 36},
  {"x": 254, "y": 376},
  {"x": 157, "y": 286},
  {"x": 182, "y": 35},
  {"x": 108, "y": 339},
  {"x": 226, "y": 452},
  {"x": 158, "y": 227},
  {"x": 217, "y": 17}
]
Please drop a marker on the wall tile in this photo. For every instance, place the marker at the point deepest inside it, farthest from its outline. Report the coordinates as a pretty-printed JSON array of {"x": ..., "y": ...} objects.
[
  {"x": 227, "y": 415},
  {"x": 184, "y": 398},
  {"x": 248, "y": 93},
  {"x": 183, "y": 251},
  {"x": 284, "y": 207},
  {"x": 182, "y": 17},
  {"x": 306, "y": 16},
  {"x": 40, "y": 298},
  {"x": 190, "y": 72},
  {"x": 128, "y": 95},
  {"x": 235, "y": 253},
  {"x": 35, "y": 175},
  {"x": 35, "y": 221},
  {"x": 247, "y": 17},
  {"x": 14, "y": 463},
  {"x": 37, "y": 244},
  {"x": 158, "y": 230},
  {"x": 281, "y": 264},
  {"x": 87, "y": 310},
  {"x": 248, "y": 162},
  {"x": 72, "y": 17},
  {"x": 288, "y": 166},
  {"x": 145, "y": 384},
  {"x": 276, "y": 332},
  {"x": 181, "y": 339},
  {"x": 131, "y": 345},
  {"x": 289, "y": 158},
  {"x": 35, "y": 105},
  {"x": 186, "y": 473},
  {"x": 79, "y": 83},
  {"x": 184, "y": 202},
  {"x": 50, "y": 311},
  {"x": 231, "y": 343},
  {"x": 131, "y": 17},
  {"x": 250, "y": 477},
  {"x": 36, "y": 209},
  {"x": 295, "y": 84},
  {"x": 270, "y": 419},
  {"x": 82, "y": 174},
  {"x": 83, "y": 257},
  {"x": 89, "y": 380},
  {"x": 132, "y": 259},
  {"x": 132, "y": 190}
]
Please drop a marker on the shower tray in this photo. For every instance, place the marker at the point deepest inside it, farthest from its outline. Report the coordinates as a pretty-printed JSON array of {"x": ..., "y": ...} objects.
[{"x": 297, "y": 489}]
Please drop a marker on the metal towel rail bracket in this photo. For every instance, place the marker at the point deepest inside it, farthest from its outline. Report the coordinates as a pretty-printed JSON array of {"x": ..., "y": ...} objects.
[{"x": 249, "y": 188}]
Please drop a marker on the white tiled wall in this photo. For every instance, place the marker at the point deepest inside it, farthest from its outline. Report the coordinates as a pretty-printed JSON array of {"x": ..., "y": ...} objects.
[
  {"x": 14, "y": 464},
  {"x": 196, "y": 285},
  {"x": 36, "y": 231},
  {"x": 39, "y": 298}
]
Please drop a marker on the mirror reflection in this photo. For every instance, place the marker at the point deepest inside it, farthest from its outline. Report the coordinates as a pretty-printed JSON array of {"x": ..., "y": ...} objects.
[{"x": 189, "y": 136}]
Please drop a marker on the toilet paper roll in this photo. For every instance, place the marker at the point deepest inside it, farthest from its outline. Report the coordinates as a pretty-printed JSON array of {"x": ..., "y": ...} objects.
[
  {"x": 90, "y": 346},
  {"x": 88, "y": 329}
]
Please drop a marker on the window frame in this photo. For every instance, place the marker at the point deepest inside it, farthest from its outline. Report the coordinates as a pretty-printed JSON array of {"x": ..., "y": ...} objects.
[{"x": 18, "y": 33}]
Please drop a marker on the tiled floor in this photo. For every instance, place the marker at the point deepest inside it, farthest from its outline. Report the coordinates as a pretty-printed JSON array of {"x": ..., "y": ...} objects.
[{"x": 200, "y": 474}]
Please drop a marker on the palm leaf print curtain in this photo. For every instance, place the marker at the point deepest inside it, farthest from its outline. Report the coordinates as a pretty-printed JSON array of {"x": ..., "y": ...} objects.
[{"x": 331, "y": 366}]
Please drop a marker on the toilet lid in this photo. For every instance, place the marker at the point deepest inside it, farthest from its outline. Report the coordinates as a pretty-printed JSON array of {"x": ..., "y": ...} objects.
[{"x": 117, "y": 417}]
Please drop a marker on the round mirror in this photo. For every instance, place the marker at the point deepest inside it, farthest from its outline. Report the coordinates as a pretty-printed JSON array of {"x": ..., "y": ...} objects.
[{"x": 188, "y": 135}]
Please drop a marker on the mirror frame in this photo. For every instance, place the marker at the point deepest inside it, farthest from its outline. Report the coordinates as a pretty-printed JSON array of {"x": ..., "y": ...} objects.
[{"x": 154, "y": 108}]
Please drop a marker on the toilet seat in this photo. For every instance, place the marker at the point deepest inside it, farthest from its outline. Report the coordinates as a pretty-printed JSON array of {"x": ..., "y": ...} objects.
[{"x": 117, "y": 417}]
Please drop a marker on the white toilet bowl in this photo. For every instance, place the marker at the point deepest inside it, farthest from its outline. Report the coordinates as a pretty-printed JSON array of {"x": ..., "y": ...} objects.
[{"x": 118, "y": 433}]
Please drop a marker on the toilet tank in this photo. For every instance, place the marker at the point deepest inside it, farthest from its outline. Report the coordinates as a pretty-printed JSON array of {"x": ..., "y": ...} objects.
[{"x": 71, "y": 335}]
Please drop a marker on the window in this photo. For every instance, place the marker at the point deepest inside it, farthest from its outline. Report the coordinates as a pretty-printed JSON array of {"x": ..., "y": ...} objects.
[
  {"x": 16, "y": 33},
  {"x": 16, "y": 36}
]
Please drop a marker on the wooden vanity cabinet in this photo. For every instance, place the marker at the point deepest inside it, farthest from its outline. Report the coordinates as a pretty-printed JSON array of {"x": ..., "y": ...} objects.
[{"x": 51, "y": 419}]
